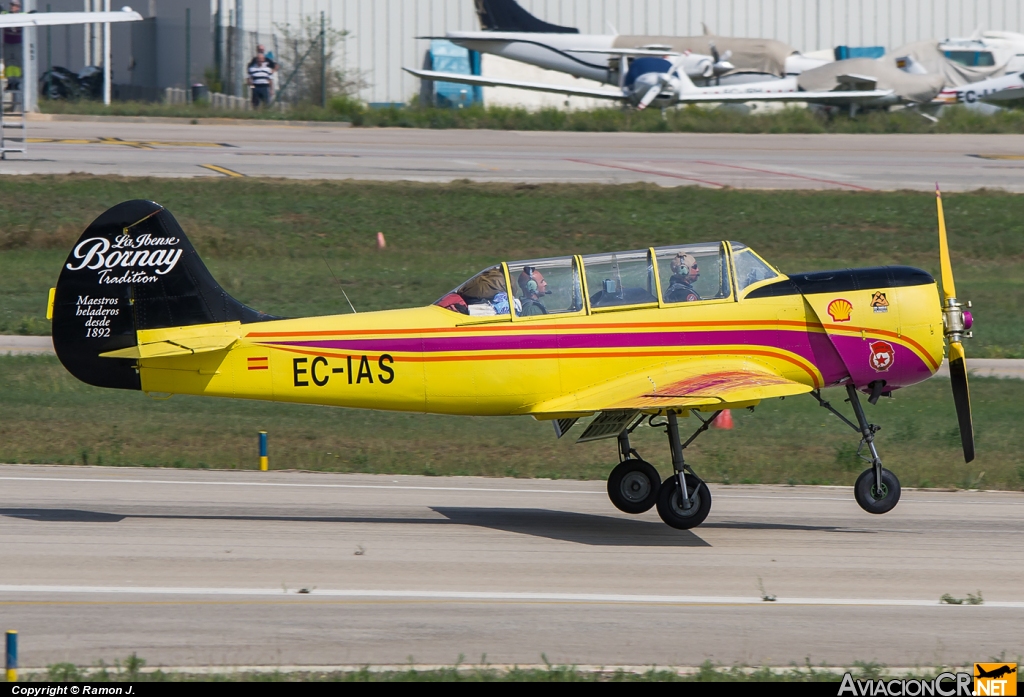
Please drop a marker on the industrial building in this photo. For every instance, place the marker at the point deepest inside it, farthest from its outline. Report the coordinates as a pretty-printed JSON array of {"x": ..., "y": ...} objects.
[{"x": 180, "y": 39}]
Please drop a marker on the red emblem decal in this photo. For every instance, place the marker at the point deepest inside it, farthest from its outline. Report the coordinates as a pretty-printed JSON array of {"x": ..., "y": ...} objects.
[{"x": 882, "y": 356}]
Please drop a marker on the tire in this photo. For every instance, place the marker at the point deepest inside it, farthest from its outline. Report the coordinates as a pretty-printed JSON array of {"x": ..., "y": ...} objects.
[
  {"x": 869, "y": 500},
  {"x": 633, "y": 486},
  {"x": 670, "y": 503}
]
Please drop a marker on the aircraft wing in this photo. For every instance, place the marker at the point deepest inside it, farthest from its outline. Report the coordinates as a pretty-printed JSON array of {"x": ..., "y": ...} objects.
[
  {"x": 49, "y": 19},
  {"x": 535, "y": 86},
  {"x": 626, "y": 51},
  {"x": 833, "y": 97},
  {"x": 708, "y": 384}
]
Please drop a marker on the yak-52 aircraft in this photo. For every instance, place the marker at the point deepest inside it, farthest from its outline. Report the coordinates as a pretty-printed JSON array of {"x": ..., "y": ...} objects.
[{"x": 636, "y": 336}]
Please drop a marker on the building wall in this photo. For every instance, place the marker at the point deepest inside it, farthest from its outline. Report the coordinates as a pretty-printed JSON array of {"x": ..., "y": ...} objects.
[
  {"x": 149, "y": 53},
  {"x": 383, "y": 32}
]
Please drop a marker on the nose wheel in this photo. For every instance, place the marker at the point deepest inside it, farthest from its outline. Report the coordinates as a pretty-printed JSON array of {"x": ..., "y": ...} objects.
[
  {"x": 877, "y": 497},
  {"x": 877, "y": 490}
]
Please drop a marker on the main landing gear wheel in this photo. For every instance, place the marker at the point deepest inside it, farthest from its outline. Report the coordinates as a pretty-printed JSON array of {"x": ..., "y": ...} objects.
[
  {"x": 877, "y": 499},
  {"x": 670, "y": 502},
  {"x": 633, "y": 486}
]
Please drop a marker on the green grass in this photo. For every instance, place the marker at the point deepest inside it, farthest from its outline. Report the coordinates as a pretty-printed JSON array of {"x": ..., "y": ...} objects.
[
  {"x": 690, "y": 119},
  {"x": 47, "y": 416},
  {"x": 266, "y": 240},
  {"x": 133, "y": 670}
]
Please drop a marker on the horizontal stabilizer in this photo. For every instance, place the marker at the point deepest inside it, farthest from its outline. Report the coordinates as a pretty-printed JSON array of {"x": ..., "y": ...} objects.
[{"x": 181, "y": 341}]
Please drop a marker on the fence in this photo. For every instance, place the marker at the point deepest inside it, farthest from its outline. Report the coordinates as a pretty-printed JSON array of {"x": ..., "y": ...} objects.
[{"x": 174, "y": 95}]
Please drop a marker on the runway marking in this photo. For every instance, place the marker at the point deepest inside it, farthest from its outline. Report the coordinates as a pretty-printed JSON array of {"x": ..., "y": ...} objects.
[
  {"x": 648, "y": 171},
  {"x": 139, "y": 144},
  {"x": 223, "y": 170},
  {"x": 999, "y": 157},
  {"x": 302, "y": 486},
  {"x": 361, "y": 594},
  {"x": 784, "y": 174}
]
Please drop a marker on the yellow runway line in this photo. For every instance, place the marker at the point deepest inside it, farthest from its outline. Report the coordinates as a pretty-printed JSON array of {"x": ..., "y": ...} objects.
[{"x": 223, "y": 170}]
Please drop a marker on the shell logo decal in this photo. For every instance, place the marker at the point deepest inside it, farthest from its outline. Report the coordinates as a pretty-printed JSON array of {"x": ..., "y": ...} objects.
[
  {"x": 840, "y": 309},
  {"x": 882, "y": 356}
]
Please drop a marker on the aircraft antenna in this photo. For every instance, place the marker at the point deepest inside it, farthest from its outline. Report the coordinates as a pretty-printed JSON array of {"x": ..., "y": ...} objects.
[{"x": 340, "y": 286}]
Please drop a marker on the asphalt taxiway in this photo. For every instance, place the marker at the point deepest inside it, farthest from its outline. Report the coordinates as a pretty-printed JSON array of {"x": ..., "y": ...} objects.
[
  {"x": 292, "y": 568},
  {"x": 177, "y": 148}
]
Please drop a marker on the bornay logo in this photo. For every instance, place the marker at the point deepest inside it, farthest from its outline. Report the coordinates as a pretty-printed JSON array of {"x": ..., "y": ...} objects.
[{"x": 138, "y": 256}]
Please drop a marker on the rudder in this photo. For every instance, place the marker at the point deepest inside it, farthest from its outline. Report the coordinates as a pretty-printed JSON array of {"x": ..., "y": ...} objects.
[{"x": 133, "y": 268}]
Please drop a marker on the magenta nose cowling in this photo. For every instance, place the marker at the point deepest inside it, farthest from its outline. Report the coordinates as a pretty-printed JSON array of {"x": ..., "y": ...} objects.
[{"x": 968, "y": 320}]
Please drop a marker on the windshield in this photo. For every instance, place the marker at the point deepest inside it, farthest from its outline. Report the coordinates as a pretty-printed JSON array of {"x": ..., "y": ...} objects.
[
  {"x": 750, "y": 269},
  {"x": 483, "y": 295}
]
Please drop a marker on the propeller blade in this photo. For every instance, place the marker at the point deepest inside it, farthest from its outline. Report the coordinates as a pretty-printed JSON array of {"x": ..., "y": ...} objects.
[
  {"x": 623, "y": 69},
  {"x": 961, "y": 397},
  {"x": 955, "y": 322},
  {"x": 649, "y": 97},
  {"x": 948, "y": 287},
  {"x": 714, "y": 50}
]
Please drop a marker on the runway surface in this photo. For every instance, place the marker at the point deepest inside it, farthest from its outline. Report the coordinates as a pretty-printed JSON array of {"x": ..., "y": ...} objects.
[
  {"x": 843, "y": 162},
  {"x": 208, "y": 568}
]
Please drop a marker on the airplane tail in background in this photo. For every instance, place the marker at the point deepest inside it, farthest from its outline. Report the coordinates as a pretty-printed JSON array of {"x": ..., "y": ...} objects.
[
  {"x": 132, "y": 270},
  {"x": 508, "y": 15}
]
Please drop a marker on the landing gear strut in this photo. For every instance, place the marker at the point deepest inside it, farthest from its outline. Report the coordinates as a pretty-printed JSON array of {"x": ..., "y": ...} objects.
[
  {"x": 634, "y": 486},
  {"x": 684, "y": 500},
  {"x": 877, "y": 489}
]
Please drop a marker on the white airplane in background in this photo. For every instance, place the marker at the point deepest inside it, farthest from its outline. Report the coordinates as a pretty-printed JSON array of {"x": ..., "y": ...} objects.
[
  {"x": 995, "y": 91},
  {"x": 50, "y": 19},
  {"x": 509, "y": 31},
  {"x": 661, "y": 83}
]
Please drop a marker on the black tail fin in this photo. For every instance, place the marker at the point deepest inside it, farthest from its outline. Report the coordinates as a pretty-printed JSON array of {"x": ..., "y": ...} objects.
[
  {"x": 132, "y": 269},
  {"x": 508, "y": 15}
]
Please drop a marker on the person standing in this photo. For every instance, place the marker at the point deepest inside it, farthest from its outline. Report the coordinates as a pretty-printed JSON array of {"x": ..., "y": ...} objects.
[{"x": 261, "y": 72}]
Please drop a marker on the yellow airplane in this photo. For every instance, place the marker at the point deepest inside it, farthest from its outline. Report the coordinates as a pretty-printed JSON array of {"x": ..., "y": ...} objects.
[{"x": 629, "y": 336}]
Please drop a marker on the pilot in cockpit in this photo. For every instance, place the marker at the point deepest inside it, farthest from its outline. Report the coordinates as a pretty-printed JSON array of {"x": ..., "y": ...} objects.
[
  {"x": 534, "y": 287},
  {"x": 684, "y": 274}
]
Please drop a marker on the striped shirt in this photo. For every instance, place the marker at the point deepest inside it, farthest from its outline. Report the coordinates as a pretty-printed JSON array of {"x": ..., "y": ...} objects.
[{"x": 260, "y": 72}]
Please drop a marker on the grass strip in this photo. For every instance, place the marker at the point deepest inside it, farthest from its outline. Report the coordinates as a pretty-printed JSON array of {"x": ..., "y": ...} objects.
[
  {"x": 689, "y": 119},
  {"x": 49, "y": 417},
  {"x": 133, "y": 669},
  {"x": 266, "y": 241}
]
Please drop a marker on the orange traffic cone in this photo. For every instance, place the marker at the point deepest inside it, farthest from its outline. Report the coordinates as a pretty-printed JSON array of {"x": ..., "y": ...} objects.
[
  {"x": 724, "y": 421},
  {"x": 381, "y": 244}
]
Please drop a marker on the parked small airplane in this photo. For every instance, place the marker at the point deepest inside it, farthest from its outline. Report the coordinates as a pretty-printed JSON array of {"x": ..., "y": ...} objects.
[
  {"x": 661, "y": 83},
  {"x": 996, "y": 91},
  {"x": 630, "y": 336},
  {"x": 509, "y": 31}
]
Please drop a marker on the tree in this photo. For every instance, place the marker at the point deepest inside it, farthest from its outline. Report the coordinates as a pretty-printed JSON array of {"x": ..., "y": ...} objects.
[{"x": 302, "y": 69}]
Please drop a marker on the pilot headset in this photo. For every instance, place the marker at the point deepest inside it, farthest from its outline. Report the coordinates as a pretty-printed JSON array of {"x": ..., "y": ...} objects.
[{"x": 531, "y": 285}]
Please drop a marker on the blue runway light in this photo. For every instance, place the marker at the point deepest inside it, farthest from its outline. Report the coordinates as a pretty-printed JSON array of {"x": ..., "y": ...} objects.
[
  {"x": 264, "y": 462},
  {"x": 12, "y": 655}
]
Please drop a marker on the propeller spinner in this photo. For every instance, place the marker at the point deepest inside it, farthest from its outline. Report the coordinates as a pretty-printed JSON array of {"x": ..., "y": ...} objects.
[{"x": 956, "y": 322}]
